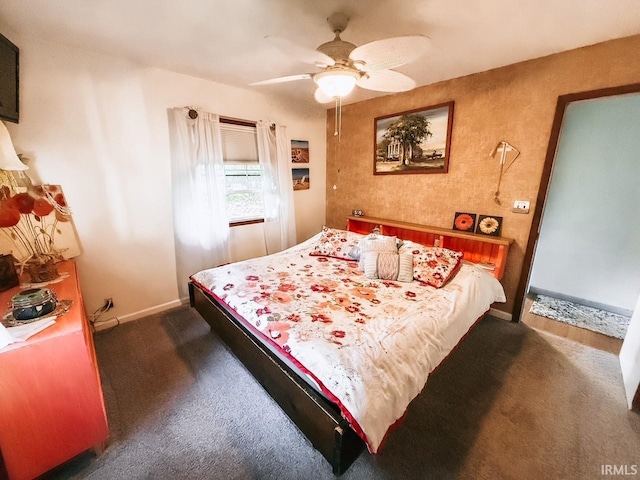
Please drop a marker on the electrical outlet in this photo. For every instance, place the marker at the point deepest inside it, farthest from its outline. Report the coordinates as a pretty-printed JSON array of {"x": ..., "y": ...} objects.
[
  {"x": 108, "y": 304},
  {"x": 520, "y": 206}
]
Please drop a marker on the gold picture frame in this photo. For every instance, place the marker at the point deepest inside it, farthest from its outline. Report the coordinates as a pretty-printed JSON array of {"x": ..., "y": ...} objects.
[{"x": 415, "y": 141}]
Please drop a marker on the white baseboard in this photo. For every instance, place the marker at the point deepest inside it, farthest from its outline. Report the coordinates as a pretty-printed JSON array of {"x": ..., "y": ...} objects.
[
  {"x": 581, "y": 301},
  {"x": 500, "y": 314},
  {"x": 139, "y": 314}
]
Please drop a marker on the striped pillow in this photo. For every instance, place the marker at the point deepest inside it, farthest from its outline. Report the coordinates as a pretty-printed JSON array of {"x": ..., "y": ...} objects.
[
  {"x": 389, "y": 266},
  {"x": 376, "y": 243}
]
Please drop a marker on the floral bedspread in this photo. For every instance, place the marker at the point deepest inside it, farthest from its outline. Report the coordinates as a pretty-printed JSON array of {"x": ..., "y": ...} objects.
[{"x": 369, "y": 344}]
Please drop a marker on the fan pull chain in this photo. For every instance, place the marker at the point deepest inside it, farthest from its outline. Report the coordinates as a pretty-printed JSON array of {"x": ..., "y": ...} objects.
[
  {"x": 336, "y": 146},
  {"x": 337, "y": 130}
]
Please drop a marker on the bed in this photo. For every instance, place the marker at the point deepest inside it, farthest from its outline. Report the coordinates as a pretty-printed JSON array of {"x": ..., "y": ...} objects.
[{"x": 342, "y": 352}]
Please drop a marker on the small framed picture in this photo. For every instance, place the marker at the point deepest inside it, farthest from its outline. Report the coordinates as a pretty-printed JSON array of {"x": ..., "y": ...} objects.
[
  {"x": 465, "y": 222},
  {"x": 301, "y": 180},
  {"x": 489, "y": 225},
  {"x": 299, "y": 151}
]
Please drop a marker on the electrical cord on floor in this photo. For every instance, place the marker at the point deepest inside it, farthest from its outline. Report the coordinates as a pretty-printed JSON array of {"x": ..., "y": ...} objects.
[
  {"x": 94, "y": 319},
  {"x": 106, "y": 330}
]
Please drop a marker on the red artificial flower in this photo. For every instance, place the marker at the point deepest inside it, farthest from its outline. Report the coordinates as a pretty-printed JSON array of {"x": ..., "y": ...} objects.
[
  {"x": 42, "y": 208},
  {"x": 24, "y": 202},
  {"x": 9, "y": 214},
  {"x": 59, "y": 198}
]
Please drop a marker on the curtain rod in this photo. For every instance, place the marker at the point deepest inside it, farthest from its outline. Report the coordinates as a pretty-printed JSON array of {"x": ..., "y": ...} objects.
[{"x": 193, "y": 114}]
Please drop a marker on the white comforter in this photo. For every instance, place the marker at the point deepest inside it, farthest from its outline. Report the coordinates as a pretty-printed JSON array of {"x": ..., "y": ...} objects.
[{"x": 369, "y": 344}]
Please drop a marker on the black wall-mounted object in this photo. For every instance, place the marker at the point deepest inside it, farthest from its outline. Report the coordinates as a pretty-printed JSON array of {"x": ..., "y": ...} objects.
[{"x": 9, "y": 80}]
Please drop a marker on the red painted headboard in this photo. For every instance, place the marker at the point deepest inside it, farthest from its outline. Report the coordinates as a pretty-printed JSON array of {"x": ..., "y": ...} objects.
[{"x": 489, "y": 252}]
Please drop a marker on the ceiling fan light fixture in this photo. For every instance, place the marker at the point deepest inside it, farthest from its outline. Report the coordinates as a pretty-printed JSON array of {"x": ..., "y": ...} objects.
[{"x": 336, "y": 83}]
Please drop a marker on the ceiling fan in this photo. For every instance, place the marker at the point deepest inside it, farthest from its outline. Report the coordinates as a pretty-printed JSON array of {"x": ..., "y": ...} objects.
[{"x": 344, "y": 65}]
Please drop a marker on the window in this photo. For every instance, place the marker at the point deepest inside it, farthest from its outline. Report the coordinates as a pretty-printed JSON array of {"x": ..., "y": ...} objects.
[{"x": 242, "y": 171}]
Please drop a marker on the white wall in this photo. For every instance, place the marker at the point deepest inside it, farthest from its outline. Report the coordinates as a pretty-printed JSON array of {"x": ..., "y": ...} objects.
[
  {"x": 588, "y": 246},
  {"x": 97, "y": 125},
  {"x": 630, "y": 356}
]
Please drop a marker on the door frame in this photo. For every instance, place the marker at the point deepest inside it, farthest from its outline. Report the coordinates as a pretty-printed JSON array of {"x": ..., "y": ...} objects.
[{"x": 543, "y": 189}]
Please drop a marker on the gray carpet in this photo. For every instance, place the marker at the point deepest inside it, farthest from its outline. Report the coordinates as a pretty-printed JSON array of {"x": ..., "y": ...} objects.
[
  {"x": 582, "y": 316},
  {"x": 510, "y": 403}
]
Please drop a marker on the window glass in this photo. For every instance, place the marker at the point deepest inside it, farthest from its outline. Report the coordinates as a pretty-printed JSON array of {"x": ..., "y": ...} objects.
[{"x": 242, "y": 173}]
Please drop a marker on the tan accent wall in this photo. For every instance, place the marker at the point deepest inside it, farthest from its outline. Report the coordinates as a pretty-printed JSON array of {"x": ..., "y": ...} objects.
[{"x": 514, "y": 103}]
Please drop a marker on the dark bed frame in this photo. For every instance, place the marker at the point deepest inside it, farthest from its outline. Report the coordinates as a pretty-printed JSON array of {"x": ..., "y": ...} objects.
[{"x": 318, "y": 418}]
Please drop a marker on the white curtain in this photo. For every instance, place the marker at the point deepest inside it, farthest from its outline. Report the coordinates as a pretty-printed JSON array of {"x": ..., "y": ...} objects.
[
  {"x": 201, "y": 227},
  {"x": 274, "y": 155}
]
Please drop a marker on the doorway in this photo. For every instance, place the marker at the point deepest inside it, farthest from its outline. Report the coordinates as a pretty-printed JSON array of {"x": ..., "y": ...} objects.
[{"x": 583, "y": 235}]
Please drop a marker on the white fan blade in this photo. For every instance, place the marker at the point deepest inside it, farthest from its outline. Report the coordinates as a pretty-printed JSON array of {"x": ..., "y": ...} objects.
[
  {"x": 386, "y": 81},
  {"x": 321, "y": 97},
  {"x": 389, "y": 52},
  {"x": 289, "y": 78},
  {"x": 302, "y": 54}
]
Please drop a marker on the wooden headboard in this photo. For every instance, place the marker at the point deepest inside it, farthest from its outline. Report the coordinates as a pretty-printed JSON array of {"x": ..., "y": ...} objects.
[{"x": 489, "y": 252}]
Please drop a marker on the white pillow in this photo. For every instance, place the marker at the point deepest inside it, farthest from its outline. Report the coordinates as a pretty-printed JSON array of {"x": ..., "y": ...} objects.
[{"x": 376, "y": 243}]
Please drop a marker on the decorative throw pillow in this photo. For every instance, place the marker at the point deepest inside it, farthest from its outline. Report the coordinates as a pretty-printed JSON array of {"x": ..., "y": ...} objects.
[
  {"x": 389, "y": 266},
  {"x": 376, "y": 243},
  {"x": 432, "y": 265},
  {"x": 336, "y": 243}
]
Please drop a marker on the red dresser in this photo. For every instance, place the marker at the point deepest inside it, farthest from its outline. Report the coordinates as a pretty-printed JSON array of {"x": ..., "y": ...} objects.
[{"x": 51, "y": 403}]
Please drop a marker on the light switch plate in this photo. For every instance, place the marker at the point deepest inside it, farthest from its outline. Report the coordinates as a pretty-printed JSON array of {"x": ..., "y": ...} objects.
[{"x": 520, "y": 206}]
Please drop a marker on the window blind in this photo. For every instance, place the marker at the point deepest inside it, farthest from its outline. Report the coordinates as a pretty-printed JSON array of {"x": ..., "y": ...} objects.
[{"x": 239, "y": 144}]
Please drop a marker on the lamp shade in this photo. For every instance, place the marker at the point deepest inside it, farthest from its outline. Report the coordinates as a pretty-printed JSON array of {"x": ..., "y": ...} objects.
[
  {"x": 336, "y": 83},
  {"x": 8, "y": 158}
]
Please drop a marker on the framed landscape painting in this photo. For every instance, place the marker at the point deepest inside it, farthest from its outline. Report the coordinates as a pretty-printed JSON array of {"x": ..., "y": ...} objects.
[{"x": 416, "y": 141}]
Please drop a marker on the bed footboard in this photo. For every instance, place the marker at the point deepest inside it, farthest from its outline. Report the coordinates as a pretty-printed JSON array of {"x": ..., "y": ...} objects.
[{"x": 317, "y": 418}]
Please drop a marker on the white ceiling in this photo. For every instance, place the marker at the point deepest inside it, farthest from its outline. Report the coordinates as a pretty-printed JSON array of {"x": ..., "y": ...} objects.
[{"x": 224, "y": 40}]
